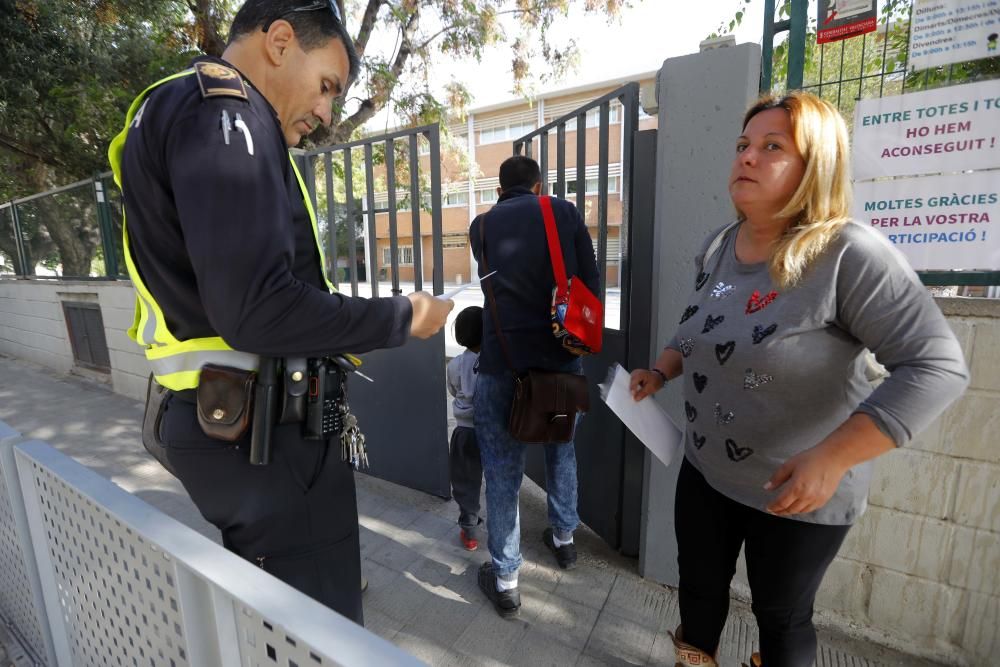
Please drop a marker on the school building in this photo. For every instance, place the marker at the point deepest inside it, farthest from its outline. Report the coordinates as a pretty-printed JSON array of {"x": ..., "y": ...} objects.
[{"x": 471, "y": 154}]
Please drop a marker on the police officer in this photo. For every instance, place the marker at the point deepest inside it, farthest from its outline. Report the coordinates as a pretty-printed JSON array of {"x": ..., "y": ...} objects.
[{"x": 222, "y": 246}]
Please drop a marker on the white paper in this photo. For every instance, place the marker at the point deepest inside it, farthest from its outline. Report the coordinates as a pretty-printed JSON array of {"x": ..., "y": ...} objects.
[
  {"x": 453, "y": 293},
  {"x": 647, "y": 420}
]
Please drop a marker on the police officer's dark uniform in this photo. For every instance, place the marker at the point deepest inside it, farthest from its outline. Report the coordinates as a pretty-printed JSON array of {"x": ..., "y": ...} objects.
[{"x": 223, "y": 252}]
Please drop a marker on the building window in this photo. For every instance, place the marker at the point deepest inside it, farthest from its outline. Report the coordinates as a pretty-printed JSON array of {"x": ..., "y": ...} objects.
[
  {"x": 405, "y": 255},
  {"x": 594, "y": 117},
  {"x": 592, "y": 186},
  {"x": 457, "y": 198},
  {"x": 505, "y": 133},
  {"x": 455, "y": 241},
  {"x": 614, "y": 248},
  {"x": 487, "y": 195}
]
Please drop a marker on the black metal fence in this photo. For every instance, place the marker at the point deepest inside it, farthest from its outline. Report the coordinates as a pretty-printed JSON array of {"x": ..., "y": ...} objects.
[
  {"x": 343, "y": 182},
  {"x": 75, "y": 232},
  {"x": 867, "y": 66},
  {"x": 71, "y": 232},
  {"x": 538, "y": 142}
]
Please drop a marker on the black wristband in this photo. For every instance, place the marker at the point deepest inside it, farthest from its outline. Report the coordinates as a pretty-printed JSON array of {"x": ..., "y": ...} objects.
[{"x": 660, "y": 373}]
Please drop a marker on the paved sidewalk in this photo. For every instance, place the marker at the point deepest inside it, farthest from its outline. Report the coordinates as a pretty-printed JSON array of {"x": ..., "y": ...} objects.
[{"x": 423, "y": 595}]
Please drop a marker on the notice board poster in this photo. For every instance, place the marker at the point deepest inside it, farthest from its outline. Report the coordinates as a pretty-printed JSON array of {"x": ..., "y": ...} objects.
[
  {"x": 939, "y": 223},
  {"x": 944, "y": 32},
  {"x": 956, "y": 128},
  {"x": 840, "y": 19}
]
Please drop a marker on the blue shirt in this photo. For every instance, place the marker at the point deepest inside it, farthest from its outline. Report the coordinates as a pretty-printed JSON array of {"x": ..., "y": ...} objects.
[{"x": 517, "y": 250}]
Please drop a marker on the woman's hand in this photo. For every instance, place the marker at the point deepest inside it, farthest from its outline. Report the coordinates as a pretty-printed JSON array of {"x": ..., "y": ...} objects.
[
  {"x": 806, "y": 482},
  {"x": 644, "y": 382}
]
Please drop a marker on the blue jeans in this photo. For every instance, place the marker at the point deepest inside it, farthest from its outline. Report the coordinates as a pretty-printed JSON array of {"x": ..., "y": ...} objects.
[{"x": 503, "y": 467}]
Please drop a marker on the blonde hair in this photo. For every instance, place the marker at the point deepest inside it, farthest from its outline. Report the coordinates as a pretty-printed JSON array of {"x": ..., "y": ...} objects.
[{"x": 821, "y": 205}]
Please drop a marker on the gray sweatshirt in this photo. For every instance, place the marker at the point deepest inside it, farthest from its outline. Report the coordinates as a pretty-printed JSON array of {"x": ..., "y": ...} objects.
[
  {"x": 462, "y": 385},
  {"x": 770, "y": 373}
]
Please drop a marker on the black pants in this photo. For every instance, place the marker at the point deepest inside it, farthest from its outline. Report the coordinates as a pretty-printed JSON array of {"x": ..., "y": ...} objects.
[
  {"x": 296, "y": 517},
  {"x": 466, "y": 472},
  {"x": 786, "y": 560}
]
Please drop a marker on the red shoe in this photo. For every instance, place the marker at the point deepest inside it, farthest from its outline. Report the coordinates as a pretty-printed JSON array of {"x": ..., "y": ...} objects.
[{"x": 470, "y": 543}]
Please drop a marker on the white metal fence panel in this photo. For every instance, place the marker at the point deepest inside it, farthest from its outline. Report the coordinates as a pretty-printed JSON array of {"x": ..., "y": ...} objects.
[
  {"x": 20, "y": 593},
  {"x": 131, "y": 586}
]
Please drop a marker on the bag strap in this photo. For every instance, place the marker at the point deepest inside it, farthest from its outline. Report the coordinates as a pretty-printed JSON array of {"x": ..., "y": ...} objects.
[
  {"x": 489, "y": 293},
  {"x": 555, "y": 250},
  {"x": 713, "y": 247}
]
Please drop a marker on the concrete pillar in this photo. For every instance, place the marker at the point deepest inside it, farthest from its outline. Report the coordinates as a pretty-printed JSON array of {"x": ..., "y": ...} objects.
[{"x": 702, "y": 98}]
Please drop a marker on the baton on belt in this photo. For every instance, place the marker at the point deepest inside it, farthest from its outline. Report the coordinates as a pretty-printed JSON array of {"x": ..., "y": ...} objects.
[{"x": 264, "y": 411}]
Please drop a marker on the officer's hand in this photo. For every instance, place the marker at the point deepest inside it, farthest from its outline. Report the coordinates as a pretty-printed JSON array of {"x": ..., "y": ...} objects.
[{"x": 429, "y": 314}]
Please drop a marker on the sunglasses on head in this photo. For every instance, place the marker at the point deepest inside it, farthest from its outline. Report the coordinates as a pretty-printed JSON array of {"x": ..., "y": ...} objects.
[{"x": 326, "y": 4}]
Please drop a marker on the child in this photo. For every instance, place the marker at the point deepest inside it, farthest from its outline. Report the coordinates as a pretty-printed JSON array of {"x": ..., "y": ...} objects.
[{"x": 466, "y": 469}]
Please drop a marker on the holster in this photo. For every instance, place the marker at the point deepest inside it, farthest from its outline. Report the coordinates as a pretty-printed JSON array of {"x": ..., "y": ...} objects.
[
  {"x": 156, "y": 396},
  {"x": 545, "y": 406},
  {"x": 225, "y": 401},
  {"x": 293, "y": 398}
]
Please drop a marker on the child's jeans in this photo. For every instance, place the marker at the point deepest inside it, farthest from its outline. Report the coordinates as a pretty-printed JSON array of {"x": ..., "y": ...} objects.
[{"x": 466, "y": 470}]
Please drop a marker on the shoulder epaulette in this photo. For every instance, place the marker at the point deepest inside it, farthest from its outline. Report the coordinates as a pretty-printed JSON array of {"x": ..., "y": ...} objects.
[{"x": 217, "y": 80}]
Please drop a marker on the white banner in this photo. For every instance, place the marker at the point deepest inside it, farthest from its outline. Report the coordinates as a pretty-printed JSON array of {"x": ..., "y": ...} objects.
[
  {"x": 948, "y": 129},
  {"x": 953, "y": 31},
  {"x": 939, "y": 223}
]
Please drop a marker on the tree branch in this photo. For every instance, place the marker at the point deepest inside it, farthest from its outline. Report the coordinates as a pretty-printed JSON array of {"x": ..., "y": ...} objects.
[
  {"x": 14, "y": 146},
  {"x": 378, "y": 99},
  {"x": 367, "y": 26},
  {"x": 207, "y": 26}
]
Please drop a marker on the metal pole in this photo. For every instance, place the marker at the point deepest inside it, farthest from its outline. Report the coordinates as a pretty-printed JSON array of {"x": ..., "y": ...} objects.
[
  {"x": 390, "y": 177},
  {"x": 415, "y": 202},
  {"x": 436, "y": 223},
  {"x": 561, "y": 161},
  {"x": 331, "y": 219},
  {"x": 604, "y": 139},
  {"x": 104, "y": 225},
  {"x": 22, "y": 252},
  {"x": 352, "y": 227},
  {"x": 543, "y": 158},
  {"x": 767, "y": 47},
  {"x": 797, "y": 44},
  {"x": 373, "y": 262}
]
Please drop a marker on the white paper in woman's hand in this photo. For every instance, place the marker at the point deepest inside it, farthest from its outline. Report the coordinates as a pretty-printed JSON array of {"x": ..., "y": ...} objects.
[{"x": 647, "y": 420}]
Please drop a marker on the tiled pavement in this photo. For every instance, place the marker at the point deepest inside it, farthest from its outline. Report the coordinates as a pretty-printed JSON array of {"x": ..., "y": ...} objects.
[{"x": 422, "y": 594}]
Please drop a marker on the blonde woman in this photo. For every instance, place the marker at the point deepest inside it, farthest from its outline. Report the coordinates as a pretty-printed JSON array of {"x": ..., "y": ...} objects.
[{"x": 782, "y": 425}]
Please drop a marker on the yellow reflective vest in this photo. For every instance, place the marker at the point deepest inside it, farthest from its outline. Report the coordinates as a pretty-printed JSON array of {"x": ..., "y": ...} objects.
[{"x": 177, "y": 364}]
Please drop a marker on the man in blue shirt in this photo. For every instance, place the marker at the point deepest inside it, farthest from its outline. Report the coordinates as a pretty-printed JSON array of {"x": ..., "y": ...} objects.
[{"x": 515, "y": 247}]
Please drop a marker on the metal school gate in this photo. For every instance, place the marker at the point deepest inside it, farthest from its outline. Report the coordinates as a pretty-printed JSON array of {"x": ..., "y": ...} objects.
[
  {"x": 610, "y": 460},
  {"x": 404, "y": 412}
]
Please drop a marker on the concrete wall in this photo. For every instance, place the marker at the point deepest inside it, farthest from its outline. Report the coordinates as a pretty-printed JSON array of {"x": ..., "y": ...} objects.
[
  {"x": 33, "y": 327},
  {"x": 702, "y": 98}
]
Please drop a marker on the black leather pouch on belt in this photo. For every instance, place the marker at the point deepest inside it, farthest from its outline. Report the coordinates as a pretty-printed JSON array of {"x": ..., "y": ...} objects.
[
  {"x": 155, "y": 401},
  {"x": 225, "y": 401},
  {"x": 293, "y": 398}
]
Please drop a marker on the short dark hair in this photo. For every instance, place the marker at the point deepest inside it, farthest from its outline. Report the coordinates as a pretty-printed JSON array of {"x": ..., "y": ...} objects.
[
  {"x": 519, "y": 170},
  {"x": 469, "y": 327},
  {"x": 313, "y": 29}
]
